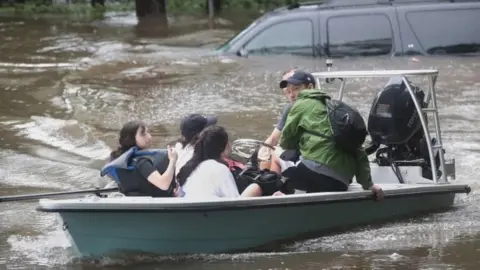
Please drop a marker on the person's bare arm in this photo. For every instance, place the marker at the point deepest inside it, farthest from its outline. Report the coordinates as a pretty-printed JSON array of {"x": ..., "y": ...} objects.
[
  {"x": 274, "y": 137},
  {"x": 164, "y": 180},
  {"x": 264, "y": 153}
]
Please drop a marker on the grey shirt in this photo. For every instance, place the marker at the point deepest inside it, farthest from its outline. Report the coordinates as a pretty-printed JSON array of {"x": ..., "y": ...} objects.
[{"x": 283, "y": 118}]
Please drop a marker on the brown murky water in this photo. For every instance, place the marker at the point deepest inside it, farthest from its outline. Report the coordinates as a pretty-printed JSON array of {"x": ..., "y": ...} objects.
[{"x": 68, "y": 87}]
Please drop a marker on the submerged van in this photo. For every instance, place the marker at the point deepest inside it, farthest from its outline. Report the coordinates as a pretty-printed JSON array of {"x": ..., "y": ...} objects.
[{"x": 340, "y": 28}]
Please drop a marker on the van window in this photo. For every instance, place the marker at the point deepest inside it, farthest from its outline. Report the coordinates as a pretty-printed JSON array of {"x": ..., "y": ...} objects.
[
  {"x": 359, "y": 35},
  {"x": 225, "y": 46},
  {"x": 289, "y": 37},
  {"x": 447, "y": 31}
]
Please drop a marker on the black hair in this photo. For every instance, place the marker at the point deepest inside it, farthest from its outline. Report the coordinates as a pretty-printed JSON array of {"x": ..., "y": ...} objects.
[
  {"x": 126, "y": 138},
  {"x": 210, "y": 145},
  {"x": 191, "y": 139}
]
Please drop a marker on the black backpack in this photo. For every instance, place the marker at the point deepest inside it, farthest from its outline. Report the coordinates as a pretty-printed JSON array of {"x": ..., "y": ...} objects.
[
  {"x": 348, "y": 127},
  {"x": 269, "y": 181}
]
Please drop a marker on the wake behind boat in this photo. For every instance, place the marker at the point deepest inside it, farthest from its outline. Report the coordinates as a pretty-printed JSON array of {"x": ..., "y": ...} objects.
[{"x": 414, "y": 180}]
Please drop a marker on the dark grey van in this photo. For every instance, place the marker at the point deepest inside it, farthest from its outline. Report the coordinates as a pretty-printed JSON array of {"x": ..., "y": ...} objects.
[{"x": 339, "y": 28}]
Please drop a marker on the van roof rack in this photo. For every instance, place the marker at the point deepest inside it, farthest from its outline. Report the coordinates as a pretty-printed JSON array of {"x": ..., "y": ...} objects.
[{"x": 343, "y": 3}]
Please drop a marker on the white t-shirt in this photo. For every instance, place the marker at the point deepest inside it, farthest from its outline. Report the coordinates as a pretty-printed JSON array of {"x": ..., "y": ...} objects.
[
  {"x": 210, "y": 179},
  {"x": 184, "y": 155}
]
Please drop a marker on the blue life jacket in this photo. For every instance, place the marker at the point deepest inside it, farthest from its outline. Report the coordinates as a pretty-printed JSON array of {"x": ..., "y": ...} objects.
[{"x": 123, "y": 170}]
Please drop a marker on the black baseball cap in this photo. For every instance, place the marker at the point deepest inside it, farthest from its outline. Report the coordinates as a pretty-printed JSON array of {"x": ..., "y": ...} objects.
[
  {"x": 299, "y": 77},
  {"x": 194, "y": 123}
]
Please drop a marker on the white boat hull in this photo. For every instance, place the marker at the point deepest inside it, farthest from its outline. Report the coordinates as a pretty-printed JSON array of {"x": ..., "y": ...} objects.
[{"x": 105, "y": 226}]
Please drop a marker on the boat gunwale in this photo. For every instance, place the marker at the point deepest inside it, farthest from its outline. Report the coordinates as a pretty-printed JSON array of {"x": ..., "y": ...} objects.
[{"x": 148, "y": 204}]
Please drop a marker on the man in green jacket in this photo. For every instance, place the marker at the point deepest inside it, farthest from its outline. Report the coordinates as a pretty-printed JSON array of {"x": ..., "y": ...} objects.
[{"x": 321, "y": 167}]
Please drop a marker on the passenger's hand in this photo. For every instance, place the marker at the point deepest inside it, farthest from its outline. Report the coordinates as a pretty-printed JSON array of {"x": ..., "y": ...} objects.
[
  {"x": 178, "y": 192},
  {"x": 172, "y": 154},
  {"x": 278, "y": 193},
  {"x": 378, "y": 192},
  {"x": 264, "y": 153}
]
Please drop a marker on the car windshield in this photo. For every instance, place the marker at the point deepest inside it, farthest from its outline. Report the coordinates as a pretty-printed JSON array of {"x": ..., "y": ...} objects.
[{"x": 226, "y": 45}]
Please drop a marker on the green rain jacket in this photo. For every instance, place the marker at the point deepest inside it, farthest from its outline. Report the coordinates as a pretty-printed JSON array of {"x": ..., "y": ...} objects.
[{"x": 319, "y": 154}]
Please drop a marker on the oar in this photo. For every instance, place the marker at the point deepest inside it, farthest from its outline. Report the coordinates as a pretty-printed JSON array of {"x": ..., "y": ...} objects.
[{"x": 53, "y": 194}]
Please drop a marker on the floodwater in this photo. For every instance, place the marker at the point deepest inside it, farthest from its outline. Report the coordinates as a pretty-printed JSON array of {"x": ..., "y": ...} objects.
[{"x": 67, "y": 88}]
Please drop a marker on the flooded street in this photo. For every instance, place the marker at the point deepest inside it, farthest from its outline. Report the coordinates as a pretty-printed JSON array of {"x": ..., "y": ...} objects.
[{"x": 68, "y": 87}]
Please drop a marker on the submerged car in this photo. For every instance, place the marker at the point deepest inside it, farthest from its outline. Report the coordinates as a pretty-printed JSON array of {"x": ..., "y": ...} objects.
[{"x": 340, "y": 28}]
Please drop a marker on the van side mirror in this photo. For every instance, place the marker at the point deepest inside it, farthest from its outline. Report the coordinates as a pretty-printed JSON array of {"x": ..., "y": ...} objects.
[
  {"x": 329, "y": 63},
  {"x": 242, "y": 53}
]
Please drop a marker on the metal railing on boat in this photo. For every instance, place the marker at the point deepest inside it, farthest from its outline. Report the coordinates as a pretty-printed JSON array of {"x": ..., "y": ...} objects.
[{"x": 432, "y": 75}]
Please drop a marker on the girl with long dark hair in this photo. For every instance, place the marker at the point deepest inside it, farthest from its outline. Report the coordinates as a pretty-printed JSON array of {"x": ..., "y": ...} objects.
[{"x": 152, "y": 174}]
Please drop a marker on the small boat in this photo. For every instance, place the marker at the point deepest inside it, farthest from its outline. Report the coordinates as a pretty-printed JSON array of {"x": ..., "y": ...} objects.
[{"x": 415, "y": 181}]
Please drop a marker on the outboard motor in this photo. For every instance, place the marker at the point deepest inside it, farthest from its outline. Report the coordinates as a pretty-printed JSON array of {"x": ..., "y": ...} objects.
[{"x": 394, "y": 123}]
